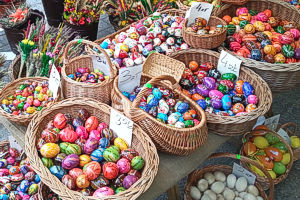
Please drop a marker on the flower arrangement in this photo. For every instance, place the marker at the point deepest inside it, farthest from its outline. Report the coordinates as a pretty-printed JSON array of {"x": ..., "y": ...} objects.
[
  {"x": 15, "y": 16},
  {"x": 5, "y": 2},
  {"x": 82, "y": 12}
]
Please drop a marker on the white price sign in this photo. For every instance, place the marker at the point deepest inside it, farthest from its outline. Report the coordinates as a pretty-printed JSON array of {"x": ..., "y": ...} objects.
[
  {"x": 130, "y": 77},
  {"x": 54, "y": 81},
  {"x": 199, "y": 9},
  {"x": 121, "y": 125},
  {"x": 229, "y": 64},
  {"x": 260, "y": 121},
  {"x": 284, "y": 134},
  {"x": 240, "y": 171},
  {"x": 272, "y": 122},
  {"x": 101, "y": 63},
  {"x": 14, "y": 144}
]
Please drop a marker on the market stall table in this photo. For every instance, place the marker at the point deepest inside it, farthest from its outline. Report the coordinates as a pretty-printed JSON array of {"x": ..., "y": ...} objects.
[{"x": 171, "y": 168}]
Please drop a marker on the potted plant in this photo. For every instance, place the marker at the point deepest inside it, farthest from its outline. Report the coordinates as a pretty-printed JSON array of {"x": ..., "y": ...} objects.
[
  {"x": 83, "y": 16},
  {"x": 54, "y": 11}
]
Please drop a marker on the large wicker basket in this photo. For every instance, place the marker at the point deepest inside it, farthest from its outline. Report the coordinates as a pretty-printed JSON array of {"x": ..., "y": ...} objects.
[
  {"x": 280, "y": 77},
  {"x": 178, "y": 141},
  {"x": 155, "y": 65},
  {"x": 207, "y": 41},
  {"x": 291, "y": 129},
  {"x": 14, "y": 68},
  {"x": 226, "y": 169},
  {"x": 71, "y": 88},
  {"x": 10, "y": 88},
  {"x": 262, "y": 180},
  {"x": 140, "y": 141},
  {"x": 231, "y": 125}
]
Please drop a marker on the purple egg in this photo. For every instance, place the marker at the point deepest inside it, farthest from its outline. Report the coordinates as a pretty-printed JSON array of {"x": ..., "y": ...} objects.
[
  {"x": 216, "y": 103},
  {"x": 193, "y": 91},
  {"x": 209, "y": 82},
  {"x": 90, "y": 145},
  {"x": 202, "y": 90},
  {"x": 129, "y": 180},
  {"x": 215, "y": 94},
  {"x": 71, "y": 161},
  {"x": 297, "y": 53}
]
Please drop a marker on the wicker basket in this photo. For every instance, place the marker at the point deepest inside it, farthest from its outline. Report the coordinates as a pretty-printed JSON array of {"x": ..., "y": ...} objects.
[
  {"x": 141, "y": 142},
  {"x": 263, "y": 181},
  {"x": 71, "y": 88},
  {"x": 208, "y": 41},
  {"x": 280, "y": 77},
  {"x": 155, "y": 65},
  {"x": 199, "y": 174},
  {"x": 231, "y": 125},
  {"x": 235, "y": 2},
  {"x": 10, "y": 88},
  {"x": 183, "y": 7},
  {"x": 14, "y": 68},
  {"x": 291, "y": 129},
  {"x": 178, "y": 141}
]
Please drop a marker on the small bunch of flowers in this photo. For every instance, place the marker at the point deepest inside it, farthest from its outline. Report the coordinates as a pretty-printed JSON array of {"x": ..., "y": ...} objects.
[
  {"x": 15, "y": 16},
  {"x": 82, "y": 12}
]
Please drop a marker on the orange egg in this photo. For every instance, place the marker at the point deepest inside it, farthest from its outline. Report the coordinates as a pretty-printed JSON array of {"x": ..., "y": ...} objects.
[
  {"x": 235, "y": 21},
  {"x": 268, "y": 12},
  {"x": 258, "y": 132},
  {"x": 239, "y": 86},
  {"x": 274, "y": 153},
  {"x": 262, "y": 127},
  {"x": 249, "y": 28},
  {"x": 187, "y": 93},
  {"x": 244, "y": 16},
  {"x": 193, "y": 65},
  {"x": 250, "y": 107},
  {"x": 197, "y": 97},
  {"x": 249, "y": 148},
  {"x": 270, "y": 50},
  {"x": 265, "y": 161},
  {"x": 237, "y": 108},
  {"x": 227, "y": 18}
]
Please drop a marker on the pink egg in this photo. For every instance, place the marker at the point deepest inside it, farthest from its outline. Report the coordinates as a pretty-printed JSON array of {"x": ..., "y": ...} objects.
[
  {"x": 123, "y": 165},
  {"x": 240, "y": 113},
  {"x": 103, "y": 192},
  {"x": 26, "y": 106},
  {"x": 102, "y": 126},
  {"x": 95, "y": 134},
  {"x": 242, "y": 10},
  {"x": 82, "y": 132},
  {"x": 36, "y": 103},
  {"x": 296, "y": 33},
  {"x": 10, "y": 160},
  {"x": 262, "y": 17},
  {"x": 215, "y": 94},
  {"x": 252, "y": 99}
]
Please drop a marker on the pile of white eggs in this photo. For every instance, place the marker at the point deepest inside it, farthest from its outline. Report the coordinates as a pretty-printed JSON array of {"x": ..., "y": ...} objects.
[{"x": 216, "y": 186}]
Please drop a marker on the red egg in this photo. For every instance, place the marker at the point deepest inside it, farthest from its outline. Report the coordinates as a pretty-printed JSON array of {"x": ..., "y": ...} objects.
[
  {"x": 92, "y": 170},
  {"x": 69, "y": 182},
  {"x": 110, "y": 170},
  {"x": 50, "y": 136},
  {"x": 265, "y": 161},
  {"x": 14, "y": 152},
  {"x": 91, "y": 123},
  {"x": 74, "y": 173},
  {"x": 60, "y": 121},
  {"x": 68, "y": 135}
]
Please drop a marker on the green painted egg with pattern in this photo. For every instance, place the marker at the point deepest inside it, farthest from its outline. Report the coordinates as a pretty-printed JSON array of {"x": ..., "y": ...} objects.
[
  {"x": 47, "y": 162},
  {"x": 288, "y": 50},
  {"x": 243, "y": 23},
  {"x": 279, "y": 29},
  {"x": 231, "y": 29},
  {"x": 73, "y": 149},
  {"x": 111, "y": 155},
  {"x": 63, "y": 146},
  {"x": 229, "y": 76},
  {"x": 137, "y": 163}
]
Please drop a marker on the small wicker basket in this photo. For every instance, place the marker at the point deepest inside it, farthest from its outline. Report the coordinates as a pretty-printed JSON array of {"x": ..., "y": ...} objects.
[
  {"x": 280, "y": 77},
  {"x": 199, "y": 174},
  {"x": 178, "y": 141},
  {"x": 71, "y": 88},
  {"x": 140, "y": 141},
  {"x": 231, "y": 125},
  {"x": 155, "y": 65},
  {"x": 291, "y": 129},
  {"x": 208, "y": 41},
  {"x": 235, "y": 2},
  {"x": 10, "y": 88},
  {"x": 262, "y": 180}
]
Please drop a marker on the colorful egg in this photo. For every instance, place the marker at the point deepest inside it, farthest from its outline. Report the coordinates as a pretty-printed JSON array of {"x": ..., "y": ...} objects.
[
  {"x": 111, "y": 155},
  {"x": 252, "y": 99},
  {"x": 103, "y": 192},
  {"x": 14, "y": 170},
  {"x": 73, "y": 149},
  {"x": 82, "y": 181},
  {"x": 129, "y": 180},
  {"x": 50, "y": 150},
  {"x": 247, "y": 89},
  {"x": 270, "y": 50},
  {"x": 90, "y": 145},
  {"x": 68, "y": 135},
  {"x": 137, "y": 163},
  {"x": 226, "y": 102},
  {"x": 24, "y": 185},
  {"x": 47, "y": 162},
  {"x": 193, "y": 65},
  {"x": 57, "y": 171},
  {"x": 103, "y": 143},
  {"x": 91, "y": 123},
  {"x": 92, "y": 170},
  {"x": 110, "y": 170},
  {"x": 60, "y": 121},
  {"x": 250, "y": 107},
  {"x": 74, "y": 173},
  {"x": 82, "y": 132},
  {"x": 121, "y": 143},
  {"x": 215, "y": 94},
  {"x": 237, "y": 108},
  {"x": 71, "y": 161},
  {"x": 288, "y": 50},
  {"x": 279, "y": 58},
  {"x": 69, "y": 181},
  {"x": 129, "y": 154},
  {"x": 97, "y": 155},
  {"x": 99, "y": 182},
  {"x": 124, "y": 165}
]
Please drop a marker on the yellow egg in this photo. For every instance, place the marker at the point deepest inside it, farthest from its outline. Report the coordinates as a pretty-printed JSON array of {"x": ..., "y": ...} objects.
[
  {"x": 286, "y": 158},
  {"x": 84, "y": 159},
  {"x": 261, "y": 142},
  {"x": 272, "y": 174},
  {"x": 257, "y": 171},
  {"x": 5, "y": 101},
  {"x": 50, "y": 150},
  {"x": 120, "y": 143},
  {"x": 295, "y": 142},
  {"x": 38, "y": 88},
  {"x": 41, "y": 97},
  {"x": 30, "y": 110}
]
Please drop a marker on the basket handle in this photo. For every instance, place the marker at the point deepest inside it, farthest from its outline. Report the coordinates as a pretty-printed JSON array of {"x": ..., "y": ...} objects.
[
  {"x": 288, "y": 126},
  {"x": 94, "y": 45},
  {"x": 247, "y": 160}
]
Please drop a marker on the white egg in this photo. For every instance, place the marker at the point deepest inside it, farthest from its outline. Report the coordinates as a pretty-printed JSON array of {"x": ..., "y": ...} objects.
[
  {"x": 220, "y": 176},
  {"x": 242, "y": 194},
  {"x": 205, "y": 197},
  {"x": 220, "y": 197},
  {"x": 217, "y": 187},
  {"x": 211, "y": 194},
  {"x": 253, "y": 190},
  {"x": 241, "y": 184},
  {"x": 209, "y": 177},
  {"x": 195, "y": 193},
  {"x": 231, "y": 179},
  {"x": 259, "y": 198},
  {"x": 249, "y": 196},
  {"x": 202, "y": 185},
  {"x": 229, "y": 194}
]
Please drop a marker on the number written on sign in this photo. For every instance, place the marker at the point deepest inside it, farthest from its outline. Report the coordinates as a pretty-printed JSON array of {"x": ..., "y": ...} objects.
[
  {"x": 127, "y": 76},
  {"x": 229, "y": 64},
  {"x": 101, "y": 60},
  {"x": 121, "y": 121}
]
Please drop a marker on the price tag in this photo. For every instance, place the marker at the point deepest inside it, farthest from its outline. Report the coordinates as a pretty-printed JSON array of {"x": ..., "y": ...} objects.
[
  {"x": 229, "y": 64},
  {"x": 272, "y": 122},
  {"x": 54, "y": 81},
  {"x": 101, "y": 63},
  {"x": 260, "y": 121},
  {"x": 14, "y": 144},
  {"x": 285, "y": 136},
  {"x": 121, "y": 125},
  {"x": 240, "y": 171},
  {"x": 130, "y": 77},
  {"x": 199, "y": 9}
]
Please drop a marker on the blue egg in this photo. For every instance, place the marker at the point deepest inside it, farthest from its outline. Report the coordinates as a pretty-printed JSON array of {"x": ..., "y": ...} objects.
[
  {"x": 202, "y": 103},
  {"x": 71, "y": 76},
  {"x": 181, "y": 119},
  {"x": 247, "y": 89},
  {"x": 37, "y": 178},
  {"x": 162, "y": 116},
  {"x": 256, "y": 54},
  {"x": 157, "y": 93},
  {"x": 232, "y": 93},
  {"x": 145, "y": 52},
  {"x": 104, "y": 45},
  {"x": 103, "y": 143},
  {"x": 3, "y": 197},
  {"x": 97, "y": 155},
  {"x": 226, "y": 102},
  {"x": 24, "y": 185},
  {"x": 126, "y": 94},
  {"x": 181, "y": 107},
  {"x": 265, "y": 42},
  {"x": 24, "y": 169},
  {"x": 57, "y": 171},
  {"x": 230, "y": 112},
  {"x": 77, "y": 74},
  {"x": 132, "y": 97},
  {"x": 152, "y": 102}
]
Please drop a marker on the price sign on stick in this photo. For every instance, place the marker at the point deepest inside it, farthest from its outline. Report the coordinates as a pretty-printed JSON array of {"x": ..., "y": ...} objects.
[
  {"x": 199, "y": 9},
  {"x": 130, "y": 77},
  {"x": 101, "y": 63},
  {"x": 14, "y": 144},
  {"x": 240, "y": 171},
  {"x": 272, "y": 122},
  {"x": 54, "y": 81},
  {"x": 285, "y": 136},
  {"x": 121, "y": 125},
  {"x": 229, "y": 64}
]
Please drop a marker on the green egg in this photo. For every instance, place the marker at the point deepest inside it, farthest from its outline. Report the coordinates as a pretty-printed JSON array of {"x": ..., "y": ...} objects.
[
  {"x": 33, "y": 189},
  {"x": 223, "y": 89},
  {"x": 229, "y": 76},
  {"x": 63, "y": 146},
  {"x": 119, "y": 189},
  {"x": 137, "y": 163},
  {"x": 73, "y": 149},
  {"x": 47, "y": 162},
  {"x": 188, "y": 123},
  {"x": 111, "y": 155}
]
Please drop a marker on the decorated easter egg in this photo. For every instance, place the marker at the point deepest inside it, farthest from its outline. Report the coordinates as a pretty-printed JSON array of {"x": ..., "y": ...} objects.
[
  {"x": 103, "y": 192},
  {"x": 69, "y": 181},
  {"x": 226, "y": 102},
  {"x": 269, "y": 58},
  {"x": 237, "y": 108},
  {"x": 193, "y": 65},
  {"x": 256, "y": 54},
  {"x": 68, "y": 135},
  {"x": 57, "y": 171},
  {"x": 99, "y": 182},
  {"x": 286, "y": 39},
  {"x": 119, "y": 189},
  {"x": 60, "y": 121},
  {"x": 111, "y": 155},
  {"x": 49, "y": 150},
  {"x": 270, "y": 50},
  {"x": 82, "y": 181},
  {"x": 90, "y": 145},
  {"x": 82, "y": 132},
  {"x": 137, "y": 163},
  {"x": 95, "y": 134},
  {"x": 129, "y": 180},
  {"x": 279, "y": 58},
  {"x": 231, "y": 29},
  {"x": 92, "y": 170},
  {"x": 120, "y": 143},
  {"x": 63, "y": 146},
  {"x": 124, "y": 165},
  {"x": 91, "y": 123},
  {"x": 24, "y": 169},
  {"x": 110, "y": 170},
  {"x": 47, "y": 162},
  {"x": 247, "y": 89},
  {"x": 14, "y": 170},
  {"x": 97, "y": 155},
  {"x": 103, "y": 143},
  {"x": 129, "y": 154},
  {"x": 250, "y": 107},
  {"x": 249, "y": 28},
  {"x": 259, "y": 26},
  {"x": 181, "y": 107},
  {"x": 202, "y": 90},
  {"x": 118, "y": 182},
  {"x": 107, "y": 133},
  {"x": 50, "y": 136},
  {"x": 288, "y": 50},
  {"x": 252, "y": 99},
  {"x": 73, "y": 149},
  {"x": 33, "y": 189},
  {"x": 77, "y": 122},
  {"x": 24, "y": 185},
  {"x": 75, "y": 172},
  {"x": 215, "y": 94},
  {"x": 70, "y": 162}
]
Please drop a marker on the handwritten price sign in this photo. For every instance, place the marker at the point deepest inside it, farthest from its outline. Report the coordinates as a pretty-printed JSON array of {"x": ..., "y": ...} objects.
[
  {"x": 240, "y": 171},
  {"x": 121, "y": 125},
  {"x": 199, "y": 9},
  {"x": 285, "y": 136},
  {"x": 229, "y": 64},
  {"x": 101, "y": 63},
  {"x": 130, "y": 77},
  {"x": 272, "y": 122},
  {"x": 54, "y": 81}
]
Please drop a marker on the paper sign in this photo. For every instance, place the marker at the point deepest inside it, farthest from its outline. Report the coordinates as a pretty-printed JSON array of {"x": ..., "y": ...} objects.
[
  {"x": 9, "y": 55},
  {"x": 54, "y": 81},
  {"x": 199, "y": 9},
  {"x": 284, "y": 134},
  {"x": 260, "y": 121},
  {"x": 229, "y": 64},
  {"x": 101, "y": 63},
  {"x": 121, "y": 125},
  {"x": 130, "y": 77},
  {"x": 14, "y": 144},
  {"x": 240, "y": 171},
  {"x": 272, "y": 122}
]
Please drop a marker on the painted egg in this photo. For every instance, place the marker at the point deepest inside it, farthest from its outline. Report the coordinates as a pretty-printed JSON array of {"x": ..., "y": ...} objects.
[
  {"x": 29, "y": 176},
  {"x": 296, "y": 33},
  {"x": 162, "y": 107},
  {"x": 111, "y": 155},
  {"x": 57, "y": 171},
  {"x": 181, "y": 107},
  {"x": 252, "y": 99},
  {"x": 120, "y": 143},
  {"x": 250, "y": 107},
  {"x": 209, "y": 82},
  {"x": 226, "y": 102},
  {"x": 14, "y": 170},
  {"x": 110, "y": 170},
  {"x": 269, "y": 59},
  {"x": 50, "y": 150},
  {"x": 82, "y": 132},
  {"x": 82, "y": 181},
  {"x": 215, "y": 94},
  {"x": 259, "y": 26},
  {"x": 286, "y": 39},
  {"x": 123, "y": 165},
  {"x": 256, "y": 54},
  {"x": 97, "y": 155},
  {"x": 193, "y": 65},
  {"x": 137, "y": 163},
  {"x": 70, "y": 162},
  {"x": 13, "y": 178},
  {"x": 202, "y": 90},
  {"x": 4, "y": 172},
  {"x": 231, "y": 28},
  {"x": 73, "y": 149},
  {"x": 91, "y": 123},
  {"x": 288, "y": 50},
  {"x": 95, "y": 134},
  {"x": 202, "y": 103},
  {"x": 10, "y": 160},
  {"x": 173, "y": 118},
  {"x": 102, "y": 126},
  {"x": 214, "y": 73},
  {"x": 129, "y": 180},
  {"x": 216, "y": 103},
  {"x": 92, "y": 170},
  {"x": 229, "y": 76},
  {"x": 129, "y": 154},
  {"x": 90, "y": 145},
  {"x": 74, "y": 173},
  {"x": 249, "y": 28},
  {"x": 107, "y": 133},
  {"x": 50, "y": 136},
  {"x": 237, "y": 108},
  {"x": 274, "y": 153},
  {"x": 24, "y": 169},
  {"x": 69, "y": 181},
  {"x": 118, "y": 182},
  {"x": 24, "y": 185},
  {"x": 297, "y": 53},
  {"x": 270, "y": 50},
  {"x": 99, "y": 182},
  {"x": 197, "y": 97},
  {"x": 279, "y": 58},
  {"x": 63, "y": 146},
  {"x": 247, "y": 89},
  {"x": 103, "y": 192},
  {"x": 68, "y": 135},
  {"x": 265, "y": 161},
  {"x": 60, "y": 121}
]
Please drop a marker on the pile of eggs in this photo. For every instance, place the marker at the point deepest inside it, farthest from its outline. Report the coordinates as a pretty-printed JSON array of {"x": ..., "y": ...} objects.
[
  {"x": 52, "y": 196},
  {"x": 296, "y": 3},
  {"x": 216, "y": 93},
  {"x": 28, "y": 98},
  {"x": 268, "y": 151},
  {"x": 263, "y": 37},
  {"x": 160, "y": 33},
  {"x": 87, "y": 156},
  {"x": 17, "y": 179},
  {"x": 163, "y": 105},
  {"x": 84, "y": 75},
  {"x": 200, "y": 27},
  {"x": 217, "y": 185}
]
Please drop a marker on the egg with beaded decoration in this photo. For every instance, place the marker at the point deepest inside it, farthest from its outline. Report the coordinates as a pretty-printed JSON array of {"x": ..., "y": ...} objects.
[
  {"x": 110, "y": 170},
  {"x": 103, "y": 192},
  {"x": 69, "y": 181},
  {"x": 71, "y": 161},
  {"x": 50, "y": 150},
  {"x": 82, "y": 181},
  {"x": 75, "y": 172},
  {"x": 92, "y": 170}
]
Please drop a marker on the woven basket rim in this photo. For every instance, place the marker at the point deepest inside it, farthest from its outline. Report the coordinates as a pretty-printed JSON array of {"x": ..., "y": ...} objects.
[{"x": 150, "y": 168}]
